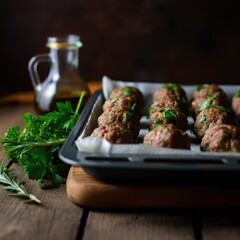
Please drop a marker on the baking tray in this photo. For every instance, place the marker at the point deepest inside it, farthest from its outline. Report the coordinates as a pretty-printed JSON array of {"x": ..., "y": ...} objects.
[{"x": 166, "y": 167}]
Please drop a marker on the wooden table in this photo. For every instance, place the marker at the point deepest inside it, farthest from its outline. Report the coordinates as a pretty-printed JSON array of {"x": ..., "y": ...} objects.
[{"x": 59, "y": 218}]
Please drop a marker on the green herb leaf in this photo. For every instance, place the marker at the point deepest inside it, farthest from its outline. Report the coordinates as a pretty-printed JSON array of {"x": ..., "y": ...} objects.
[
  {"x": 213, "y": 96},
  {"x": 149, "y": 109},
  {"x": 115, "y": 99},
  {"x": 173, "y": 86},
  {"x": 170, "y": 114},
  {"x": 206, "y": 149},
  {"x": 202, "y": 119},
  {"x": 157, "y": 121},
  {"x": 205, "y": 104},
  {"x": 36, "y": 146},
  {"x": 127, "y": 91},
  {"x": 223, "y": 108},
  {"x": 208, "y": 102},
  {"x": 201, "y": 86},
  {"x": 237, "y": 94},
  {"x": 133, "y": 107},
  {"x": 127, "y": 115}
]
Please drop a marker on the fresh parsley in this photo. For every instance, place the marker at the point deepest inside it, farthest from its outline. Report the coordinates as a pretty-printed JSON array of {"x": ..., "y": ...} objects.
[
  {"x": 205, "y": 104},
  {"x": 133, "y": 107},
  {"x": 127, "y": 115},
  {"x": 224, "y": 109},
  {"x": 157, "y": 121},
  {"x": 170, "y": 114},
  {"x": 149, "y": 109},
  {"x": 208, "y": 102},
  {"x": 237, "y": 94},
  {"x": 201, "y": 86},
  {"x": 202, "y": 119},
  {"x": 35, "y": 147},
  {"x": 127, "y": 91},
  {"x": 115, "y": 99},
  {"x": 205, "y": 149},
  {"x": 174, "y": 86}
]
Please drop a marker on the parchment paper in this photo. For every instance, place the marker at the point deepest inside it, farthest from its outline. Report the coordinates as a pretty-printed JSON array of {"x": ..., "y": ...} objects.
[{"x": 86, "y": 143}]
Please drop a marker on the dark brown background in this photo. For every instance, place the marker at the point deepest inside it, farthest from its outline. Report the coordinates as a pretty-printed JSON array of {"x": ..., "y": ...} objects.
[{"x": 138, "y": 40}]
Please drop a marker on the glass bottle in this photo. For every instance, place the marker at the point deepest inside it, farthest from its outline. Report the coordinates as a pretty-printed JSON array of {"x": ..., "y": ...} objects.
[{"x": 63, "y": 81}]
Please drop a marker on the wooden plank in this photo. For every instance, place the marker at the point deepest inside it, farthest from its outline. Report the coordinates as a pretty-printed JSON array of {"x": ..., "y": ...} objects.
[
  {"x": 222, "y": 225},
  {"x": 12, "y": 114},
  {"x": 141, "y": 225},
  {"x": 86, "y": 191},
  {"x": 56, "y": 218}
]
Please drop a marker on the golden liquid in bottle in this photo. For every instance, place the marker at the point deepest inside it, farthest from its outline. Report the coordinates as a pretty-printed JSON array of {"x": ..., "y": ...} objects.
[{"x": 72, "y": 97}]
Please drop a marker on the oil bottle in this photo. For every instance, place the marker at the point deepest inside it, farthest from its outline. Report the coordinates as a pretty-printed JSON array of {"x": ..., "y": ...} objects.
[{"x": 63, "y": 82}]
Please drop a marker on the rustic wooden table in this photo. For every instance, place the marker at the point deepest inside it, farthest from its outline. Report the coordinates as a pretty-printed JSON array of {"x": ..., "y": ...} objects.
[{"x": 59, "y": 218}]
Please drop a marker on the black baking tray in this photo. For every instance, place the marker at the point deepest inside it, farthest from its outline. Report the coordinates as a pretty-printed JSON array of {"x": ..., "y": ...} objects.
[{"x": 149, "y": 168}]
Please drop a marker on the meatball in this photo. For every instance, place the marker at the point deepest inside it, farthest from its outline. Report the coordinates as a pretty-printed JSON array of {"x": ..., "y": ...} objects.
[
  {"x": 168, "y": 116},
  {"x": 171, "y": 89},
  {"x": 236, "y": 104},
  {"x": 128, "y": 91},
  {"x": 124, "y": 102},
  {"x": 210, "y": 117},
  {"x": 221, "y": 138},
  {"x": 123, "y": 116},
  {"x": 208, "y": 89},
  {"x": 114, "y": 133},
  {"x": 206, "y": 101},
  {"x": 168, "y": 136},
  {"x": 169, "y": 102}
]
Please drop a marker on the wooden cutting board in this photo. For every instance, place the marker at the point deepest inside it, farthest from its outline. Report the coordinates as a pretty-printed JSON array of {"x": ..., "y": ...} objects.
[{"x": 86, "y": 191}]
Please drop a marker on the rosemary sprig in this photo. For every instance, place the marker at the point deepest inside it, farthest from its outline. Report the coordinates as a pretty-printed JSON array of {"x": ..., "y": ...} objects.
[{"x": 15, "y": 187}]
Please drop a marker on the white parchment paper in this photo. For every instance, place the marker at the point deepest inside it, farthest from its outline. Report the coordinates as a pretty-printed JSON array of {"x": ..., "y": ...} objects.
[{"x": 86, "y": 143}]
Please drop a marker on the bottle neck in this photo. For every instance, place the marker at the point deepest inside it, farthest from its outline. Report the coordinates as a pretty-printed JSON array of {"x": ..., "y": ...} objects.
[{"x": 64, "y": 59}]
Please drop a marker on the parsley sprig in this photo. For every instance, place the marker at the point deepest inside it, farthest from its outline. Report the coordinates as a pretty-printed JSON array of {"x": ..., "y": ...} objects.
[
  {"x": 202, "y": 86},
  {"x": 174, "y": 86},
  {"x": 237, "y": 94},
  {"x": 170, "y": 114},
  {"x": 208, "y": 102},
  {"x": 35, "y": 147},
  {"x": 127, "y": 91}
]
